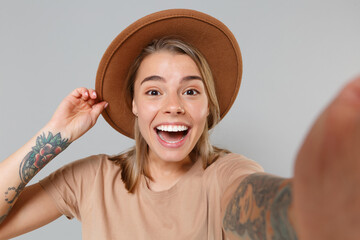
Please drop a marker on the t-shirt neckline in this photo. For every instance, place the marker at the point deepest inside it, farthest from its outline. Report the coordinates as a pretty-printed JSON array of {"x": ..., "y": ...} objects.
[{"x": 172, "y": 190}]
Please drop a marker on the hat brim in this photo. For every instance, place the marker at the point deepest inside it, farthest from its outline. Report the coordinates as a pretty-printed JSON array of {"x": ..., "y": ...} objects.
[{"x": 211, "y": 37}]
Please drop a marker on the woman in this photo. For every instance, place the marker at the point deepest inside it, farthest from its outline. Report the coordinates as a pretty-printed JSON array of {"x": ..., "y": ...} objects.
[{"x": 175, "y": 185}]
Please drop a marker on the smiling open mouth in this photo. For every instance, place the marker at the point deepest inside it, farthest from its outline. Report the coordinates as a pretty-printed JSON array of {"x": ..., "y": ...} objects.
[{"x": 172, "y": 133}]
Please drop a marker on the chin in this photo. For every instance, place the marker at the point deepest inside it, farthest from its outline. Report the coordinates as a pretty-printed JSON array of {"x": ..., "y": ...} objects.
[{"x": 170, "y": 156}]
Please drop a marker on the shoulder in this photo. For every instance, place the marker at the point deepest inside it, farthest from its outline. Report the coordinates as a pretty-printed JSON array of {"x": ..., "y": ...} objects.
[
  {"x": 226, "y": 169},
  {"x": 87, "y": 166},
  {"x": 81, "y": 174},
  {"x": 235, "y": 162},
  {"x": 72, "y": 185},
  {"x": 88, "y": 162}
]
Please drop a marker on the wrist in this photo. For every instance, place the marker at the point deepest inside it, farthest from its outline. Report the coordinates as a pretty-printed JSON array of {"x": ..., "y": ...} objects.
[{"x": 54, "y": 129}]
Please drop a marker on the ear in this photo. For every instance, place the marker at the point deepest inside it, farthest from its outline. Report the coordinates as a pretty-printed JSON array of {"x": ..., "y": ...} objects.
[{"x": 134, "y": 108}]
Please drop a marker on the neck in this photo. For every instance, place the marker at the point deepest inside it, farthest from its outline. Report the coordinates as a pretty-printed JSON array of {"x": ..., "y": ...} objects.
[{"x": 166, "y": 174}]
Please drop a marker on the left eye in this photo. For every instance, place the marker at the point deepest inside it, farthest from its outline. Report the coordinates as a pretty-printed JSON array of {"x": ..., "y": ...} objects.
[{"x": 191, "y": 92}]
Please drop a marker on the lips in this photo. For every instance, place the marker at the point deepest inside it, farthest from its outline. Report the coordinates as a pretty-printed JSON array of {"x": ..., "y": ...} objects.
[{"x": 172, "y": 134}]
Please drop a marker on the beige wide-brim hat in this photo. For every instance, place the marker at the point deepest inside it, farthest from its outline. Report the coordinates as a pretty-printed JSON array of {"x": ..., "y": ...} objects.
[{"x": 210, "y": 36}]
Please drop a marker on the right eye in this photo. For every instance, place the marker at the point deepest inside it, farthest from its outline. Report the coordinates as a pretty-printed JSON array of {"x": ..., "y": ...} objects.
[{"x": 153, "y": 92}]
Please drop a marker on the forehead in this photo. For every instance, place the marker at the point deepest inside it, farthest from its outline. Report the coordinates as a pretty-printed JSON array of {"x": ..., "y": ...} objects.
[{"x": 167, "y": 64}]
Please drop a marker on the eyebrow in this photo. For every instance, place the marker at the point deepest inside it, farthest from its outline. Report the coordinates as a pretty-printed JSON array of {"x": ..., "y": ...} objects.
[{"x": 159, "y": 78}]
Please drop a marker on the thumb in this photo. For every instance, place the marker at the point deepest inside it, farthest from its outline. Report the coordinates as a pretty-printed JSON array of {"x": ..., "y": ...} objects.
[{"x": 98, "y": 108}]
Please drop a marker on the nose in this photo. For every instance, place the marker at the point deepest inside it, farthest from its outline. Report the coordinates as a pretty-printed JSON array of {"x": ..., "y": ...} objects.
[{"x": 173, "y": 105}]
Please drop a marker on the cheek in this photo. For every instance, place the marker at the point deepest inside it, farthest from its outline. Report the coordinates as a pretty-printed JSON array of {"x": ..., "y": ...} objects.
[
  {"x": 198, "y": 111},
  {"x": 146, "y": 114},
  {"x": 148, "y": 110}
]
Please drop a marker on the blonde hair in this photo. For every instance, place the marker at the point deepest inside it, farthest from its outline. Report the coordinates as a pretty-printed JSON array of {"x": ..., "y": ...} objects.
[{"x": 134, "y": 162}]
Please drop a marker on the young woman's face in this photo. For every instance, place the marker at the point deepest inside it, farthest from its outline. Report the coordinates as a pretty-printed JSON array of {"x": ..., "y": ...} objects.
[{"x": 171, "y": 104}]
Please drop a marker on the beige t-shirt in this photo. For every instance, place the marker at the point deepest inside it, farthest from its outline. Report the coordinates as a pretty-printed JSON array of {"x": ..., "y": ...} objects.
[{"x": 92, "y": 191}]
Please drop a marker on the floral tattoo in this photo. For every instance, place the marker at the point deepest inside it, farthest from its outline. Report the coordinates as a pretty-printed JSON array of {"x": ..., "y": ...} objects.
[{"x": 46, "y": 149}]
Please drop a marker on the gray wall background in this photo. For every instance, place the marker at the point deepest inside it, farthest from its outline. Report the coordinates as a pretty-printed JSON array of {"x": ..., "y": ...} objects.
[{"x": 297, "y": 55}]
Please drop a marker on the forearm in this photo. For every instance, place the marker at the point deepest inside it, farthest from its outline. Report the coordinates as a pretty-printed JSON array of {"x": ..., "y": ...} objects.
[
  {"x": 260, "y": 208},
  {"x": 18, "y": 169}
]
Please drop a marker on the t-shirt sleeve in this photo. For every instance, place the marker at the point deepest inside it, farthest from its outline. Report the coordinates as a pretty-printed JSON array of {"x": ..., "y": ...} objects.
[
  {"x": 233, "y": 166},
  {"x": 69, "y": 185}
]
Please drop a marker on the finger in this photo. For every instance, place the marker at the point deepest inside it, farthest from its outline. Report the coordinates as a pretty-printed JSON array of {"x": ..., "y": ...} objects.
[
  {"x": 98, "y": 108},
  {"x": 92, "y": 94},
  {"x": 92, "y": 102},
  {"x": 82, "y": 93},
  {"x": 76, "y": 93},
  {"x": 85, "y": 95}
]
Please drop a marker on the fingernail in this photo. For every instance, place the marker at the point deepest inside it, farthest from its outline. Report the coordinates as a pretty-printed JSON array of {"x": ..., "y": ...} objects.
[
  {"x": 106, "y": 104},
  {"x": 86, "y": 93},
  {"x": 94, "y": 94}
]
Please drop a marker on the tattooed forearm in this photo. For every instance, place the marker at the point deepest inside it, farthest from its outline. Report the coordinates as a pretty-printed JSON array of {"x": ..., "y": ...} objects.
[
  {"x": 259, "y": 209},
  {"x": 45, "y": 149}
]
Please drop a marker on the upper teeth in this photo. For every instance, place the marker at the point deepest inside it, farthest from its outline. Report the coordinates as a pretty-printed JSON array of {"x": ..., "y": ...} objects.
[{"x": 172, "y": 128}]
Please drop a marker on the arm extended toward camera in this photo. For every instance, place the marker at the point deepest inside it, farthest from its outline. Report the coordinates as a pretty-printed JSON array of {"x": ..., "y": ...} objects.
[{"x": 259, "y": 206}]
